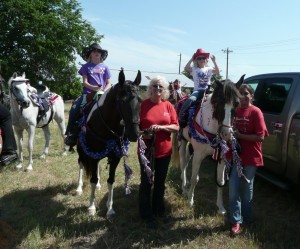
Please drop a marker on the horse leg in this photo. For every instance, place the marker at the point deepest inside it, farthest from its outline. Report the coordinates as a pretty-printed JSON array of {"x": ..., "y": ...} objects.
[
  {"x": 93, "y": 181},
  {"x": 183, "y": 155},
  {"x": 80, "y": 181},
  {"x": 196, "y": 162},
  {"x": 92, "y": 207},
  {"x": 219, "y": 202},
  {"x": 19, "y": 133},
  {"x": 98, "y": 185},
  {"x": 220, "y": 182},
  {"x": 47, "y": 141},
  {"x": 113, "y": 163},
  {"x": 31, "y": 133},
  {"x": 62, "y": 128}
]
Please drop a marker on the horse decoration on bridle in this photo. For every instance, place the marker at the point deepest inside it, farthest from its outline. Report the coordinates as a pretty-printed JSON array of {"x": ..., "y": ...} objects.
[
  {"x": 209, "y": 128},
  {"x": 32, "y": 109},
  {"x": 106, "y": 131}
]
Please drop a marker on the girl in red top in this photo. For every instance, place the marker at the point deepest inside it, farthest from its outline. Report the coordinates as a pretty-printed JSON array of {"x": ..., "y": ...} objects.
[
  {"x": 251, "y": 130},
  {"x": 159, "y": 118}
]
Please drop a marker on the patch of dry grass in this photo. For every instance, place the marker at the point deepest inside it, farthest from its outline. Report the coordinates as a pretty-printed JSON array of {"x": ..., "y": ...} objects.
[{"x": 42, "y": 211}]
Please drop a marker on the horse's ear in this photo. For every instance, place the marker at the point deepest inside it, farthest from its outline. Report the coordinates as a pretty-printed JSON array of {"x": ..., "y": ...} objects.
[
  {"x": 218, "y": 82},
  {"x": 14, "y": 75},
  {"x": 121, "y": 77},
  {"x": 138, "y": 78},
  {"x": 24, "y": 75},
  {"x": 240, "y": 82}
]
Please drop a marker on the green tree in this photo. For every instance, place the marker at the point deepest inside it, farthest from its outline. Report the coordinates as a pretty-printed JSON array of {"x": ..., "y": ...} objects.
[{"x": 43, "y": 39}]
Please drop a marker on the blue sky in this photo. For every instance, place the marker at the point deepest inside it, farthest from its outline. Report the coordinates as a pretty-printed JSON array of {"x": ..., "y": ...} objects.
[{"x": 263, "y": 36}]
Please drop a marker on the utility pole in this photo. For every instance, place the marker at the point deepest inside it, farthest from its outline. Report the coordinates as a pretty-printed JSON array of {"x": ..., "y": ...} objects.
[
  {"x": 227, "y": 51},
  {"x": 179, "y": 63}
]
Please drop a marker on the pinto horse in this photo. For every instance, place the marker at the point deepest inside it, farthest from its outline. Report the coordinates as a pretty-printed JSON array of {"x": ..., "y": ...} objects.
[
  {"x": 26, "y": 116},
  {"x": 207, "y": 131},
  {"x": 113, "y": 120}
]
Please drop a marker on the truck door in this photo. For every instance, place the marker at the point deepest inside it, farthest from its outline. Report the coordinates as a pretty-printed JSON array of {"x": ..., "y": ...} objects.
[{"x": 270, "y": 96}]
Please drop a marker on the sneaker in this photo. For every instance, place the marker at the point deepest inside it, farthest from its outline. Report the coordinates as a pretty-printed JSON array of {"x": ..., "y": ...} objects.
[
  {"x": 8, "y": 159},
  {"x": 235, "y": 229}
]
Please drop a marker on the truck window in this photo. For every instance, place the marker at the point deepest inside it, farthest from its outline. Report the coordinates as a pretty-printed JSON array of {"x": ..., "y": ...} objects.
[{"x": 271, "y": 93}]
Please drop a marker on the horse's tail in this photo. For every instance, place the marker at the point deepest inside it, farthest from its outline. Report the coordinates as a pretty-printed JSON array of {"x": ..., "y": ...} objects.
[{"x": 175, "y": 159}]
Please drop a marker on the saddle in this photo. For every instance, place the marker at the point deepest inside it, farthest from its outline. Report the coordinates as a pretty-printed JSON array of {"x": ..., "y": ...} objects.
[{"x": 44, "y": 99}]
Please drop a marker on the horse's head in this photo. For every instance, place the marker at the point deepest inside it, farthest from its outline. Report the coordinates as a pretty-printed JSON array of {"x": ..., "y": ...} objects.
[
  {"x": 129, "y": 103},
  {"x": 225, "y": 100},
  {"x": 19, "y": 89}
]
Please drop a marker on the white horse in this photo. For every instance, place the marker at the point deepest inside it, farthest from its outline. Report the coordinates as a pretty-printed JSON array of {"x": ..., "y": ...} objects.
[
  {"x": 26, "y": 116},
  {"x": 213, "y": 128}
]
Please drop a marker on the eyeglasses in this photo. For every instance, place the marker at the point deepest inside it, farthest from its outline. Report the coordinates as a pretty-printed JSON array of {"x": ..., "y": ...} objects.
[
  {"x": 200, "y": 58},
  {"x": 157, "y": 86}
]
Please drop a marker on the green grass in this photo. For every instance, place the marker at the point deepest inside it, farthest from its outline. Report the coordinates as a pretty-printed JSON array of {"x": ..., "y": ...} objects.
[{"x": 42, "y": 211}]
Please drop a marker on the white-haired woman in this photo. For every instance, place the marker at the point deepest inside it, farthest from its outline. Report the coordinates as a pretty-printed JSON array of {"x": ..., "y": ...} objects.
[{"x": 158, "y": 119}]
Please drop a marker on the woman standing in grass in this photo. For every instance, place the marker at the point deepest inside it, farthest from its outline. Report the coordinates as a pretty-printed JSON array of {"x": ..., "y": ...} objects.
[{"x": 157, "y": 117}]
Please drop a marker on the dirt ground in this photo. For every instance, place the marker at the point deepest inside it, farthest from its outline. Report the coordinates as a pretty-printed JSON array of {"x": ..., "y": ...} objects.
[{"x": 6, "y": 235}]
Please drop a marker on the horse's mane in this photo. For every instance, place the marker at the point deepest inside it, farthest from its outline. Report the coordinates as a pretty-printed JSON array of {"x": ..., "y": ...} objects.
[{"x": 225, "y": 92}]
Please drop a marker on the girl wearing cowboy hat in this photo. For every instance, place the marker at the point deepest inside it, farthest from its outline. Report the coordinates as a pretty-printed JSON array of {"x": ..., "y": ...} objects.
[
  {"x": 95, "y": 78},
  {"x": 201, "y": 76}
]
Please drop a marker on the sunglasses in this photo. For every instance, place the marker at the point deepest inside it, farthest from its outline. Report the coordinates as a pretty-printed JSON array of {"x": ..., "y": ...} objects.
[
  {"x": 157, "y": 86},
  {"x": 200, "y": 58}
]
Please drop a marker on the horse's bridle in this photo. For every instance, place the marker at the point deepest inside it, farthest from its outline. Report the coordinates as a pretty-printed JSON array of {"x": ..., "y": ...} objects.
[{"x": 122, "y": 122}]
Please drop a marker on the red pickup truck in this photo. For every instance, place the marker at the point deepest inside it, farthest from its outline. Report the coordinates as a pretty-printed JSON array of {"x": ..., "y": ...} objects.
[{"x": 278, "y": 96}]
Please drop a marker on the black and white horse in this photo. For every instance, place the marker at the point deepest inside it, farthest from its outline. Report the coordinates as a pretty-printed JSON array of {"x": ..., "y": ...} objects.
[{"x": 106, "y": 132}]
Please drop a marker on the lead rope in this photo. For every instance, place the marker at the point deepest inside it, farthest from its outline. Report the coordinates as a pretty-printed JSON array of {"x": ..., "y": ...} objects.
[
  {"x": 128, "y": 171},
  {"x": 144, "y": 160},
  {"x": 236, "y": 160}
]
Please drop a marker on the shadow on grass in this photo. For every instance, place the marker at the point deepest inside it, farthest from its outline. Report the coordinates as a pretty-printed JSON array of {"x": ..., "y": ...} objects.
[{"x": 276, "y": 215}]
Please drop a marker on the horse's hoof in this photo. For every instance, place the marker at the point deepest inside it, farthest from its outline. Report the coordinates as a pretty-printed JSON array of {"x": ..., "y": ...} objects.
[
  {"x": 222, "y": 211},
  {"x": 43, "y": 157},
  {"x": 29, "y": 169},
  {"x": 19, "y": 166},
  {"x": 98, "y": 186},
  {"x": 91, "y": 211},
  {"x": 111, "y": 215},
  {"x": 64, "y": 153},
  {"x": 191, "y": 203},
  {"x": 78, "y": 191}
]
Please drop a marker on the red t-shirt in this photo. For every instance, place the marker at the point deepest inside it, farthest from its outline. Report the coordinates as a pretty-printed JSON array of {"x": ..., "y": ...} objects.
[
  {"x": 251, "y": 121},
  {"x": 162, "y": 113}
]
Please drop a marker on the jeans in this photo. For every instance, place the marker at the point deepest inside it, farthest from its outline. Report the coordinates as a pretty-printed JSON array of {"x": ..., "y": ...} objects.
[
  {"x": 188, "y": 102},
  {"x": 148, "y": 208},
  {"x": 74, "y": 113},
  {"x": 241, "y": 195}
]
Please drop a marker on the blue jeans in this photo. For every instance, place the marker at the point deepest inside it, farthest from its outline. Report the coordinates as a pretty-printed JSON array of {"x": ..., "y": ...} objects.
[
  {"x": 74, "y": 115},
  {"x": 241, "y": 195}
]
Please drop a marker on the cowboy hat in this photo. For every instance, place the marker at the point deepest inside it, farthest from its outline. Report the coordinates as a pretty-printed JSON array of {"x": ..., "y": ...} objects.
[
  {"x": 200, "y": 52},
  {"x": 88, "y": 50}
]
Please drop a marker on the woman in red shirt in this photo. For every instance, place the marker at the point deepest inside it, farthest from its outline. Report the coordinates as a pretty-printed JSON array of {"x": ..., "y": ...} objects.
[{"x": 159, "y": 119}]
